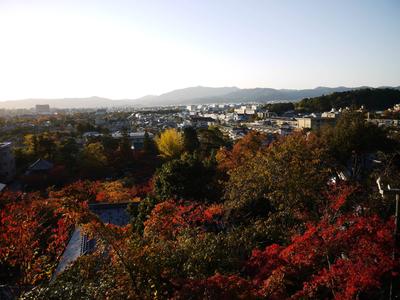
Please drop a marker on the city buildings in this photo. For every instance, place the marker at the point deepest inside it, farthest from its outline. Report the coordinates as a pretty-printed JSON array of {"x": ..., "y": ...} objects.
[
  {"x": 42, "y": 108},
  {"x": 314, "y": 122}
]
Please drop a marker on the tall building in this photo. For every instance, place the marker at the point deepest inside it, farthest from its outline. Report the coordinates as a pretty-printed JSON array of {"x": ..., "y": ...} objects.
[
  {"x": 7, "y": 163},
  {"x": 42, "y": 108}
]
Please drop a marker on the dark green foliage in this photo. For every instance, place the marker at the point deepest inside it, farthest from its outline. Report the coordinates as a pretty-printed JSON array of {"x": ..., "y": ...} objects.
[
  {"x": 46, "y": 147},
  {"x": 352, "y": 142},
  {"x": 190, "y": 140},
  {"x": 185, "y": 178},
  {"x": 68, "y": 152},
  {"x": 124, "y": 146},
  {"x": 140, "y": 212},
  {"x": 279, "y": 108},
  {"x": 220, "y": 252},
  {"x": 211, "y": 139},
  {"x": 353, "y": 135},
  {"x": 83, "y": 127},
  {"x": 149, "y": 147},
  {"x": 110, "y": 144},
  {"x": 372, "y": 99}
]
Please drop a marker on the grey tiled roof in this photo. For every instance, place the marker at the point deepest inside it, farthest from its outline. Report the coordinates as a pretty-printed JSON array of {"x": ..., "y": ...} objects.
[
  {"x": 79, "y": 244},
  {"x": 40, "y": 165}
]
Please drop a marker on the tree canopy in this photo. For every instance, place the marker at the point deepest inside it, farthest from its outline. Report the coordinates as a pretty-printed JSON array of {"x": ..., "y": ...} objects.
[
  {"x": 372, "y": 99},
  {"x": 170, "y": 143}
]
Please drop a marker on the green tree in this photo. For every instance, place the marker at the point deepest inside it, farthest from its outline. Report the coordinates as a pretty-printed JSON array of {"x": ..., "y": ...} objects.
[
  {"x": 288, "y": 177},
  {"x": 211, "y": 139},
  {"x": 140, "y": 212},
  {"x": 190, "y": 139},
  {"x": 68, "y": 152},
  {"x": 149, "y": 147},
  {"x": 83, "y": 127},
  {"x": 185, "y": 178},
  {"x": 279, "y": 108},
  {"x": 124, "y": 145},
  {"x": 372, "y": 99},
  {"x": 93, "y": 160},
  {"x": 46, "y": 146},
  {"x": 110, "y": 144},
  {"x": 352, "y": 139}
]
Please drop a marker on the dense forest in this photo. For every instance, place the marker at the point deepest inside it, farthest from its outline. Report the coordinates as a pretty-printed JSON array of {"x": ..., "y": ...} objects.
[
  {"x": 299, "y": 218},
  {"x": 371, "y": 99}
]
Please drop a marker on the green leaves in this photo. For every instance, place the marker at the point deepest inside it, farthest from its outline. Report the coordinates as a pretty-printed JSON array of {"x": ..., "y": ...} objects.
[{"x": 185, "y": 178}]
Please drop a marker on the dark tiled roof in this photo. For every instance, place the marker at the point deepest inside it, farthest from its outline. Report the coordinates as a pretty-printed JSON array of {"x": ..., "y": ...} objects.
[
  {"x": 79, "y": 244},
  {"x": 40, "y": 165}
]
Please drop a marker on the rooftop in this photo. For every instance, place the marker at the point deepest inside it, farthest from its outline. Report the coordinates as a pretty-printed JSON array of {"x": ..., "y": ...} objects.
[
  {"x": 111, "y": 213},
  {"x": 5, "y": 144},
  {"x": 40, "y": 165}
]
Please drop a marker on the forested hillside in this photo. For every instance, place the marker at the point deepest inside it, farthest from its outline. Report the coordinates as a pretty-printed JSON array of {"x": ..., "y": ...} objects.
[{"x": 372, "y": 99}]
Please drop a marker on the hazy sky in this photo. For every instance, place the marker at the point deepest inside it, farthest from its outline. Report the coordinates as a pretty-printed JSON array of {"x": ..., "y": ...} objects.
[{"x": 127, "y": 49}]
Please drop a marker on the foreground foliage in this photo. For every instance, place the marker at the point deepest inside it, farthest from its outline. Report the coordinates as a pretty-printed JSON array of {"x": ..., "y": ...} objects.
[{"x": 285, "y": 226}]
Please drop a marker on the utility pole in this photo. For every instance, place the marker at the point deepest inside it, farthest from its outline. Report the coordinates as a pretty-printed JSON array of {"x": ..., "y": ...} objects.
[{"x": 385, "y": 192}]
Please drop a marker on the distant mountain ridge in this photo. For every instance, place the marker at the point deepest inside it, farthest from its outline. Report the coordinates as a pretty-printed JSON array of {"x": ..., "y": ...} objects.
[{"x": 190, "y": 95}]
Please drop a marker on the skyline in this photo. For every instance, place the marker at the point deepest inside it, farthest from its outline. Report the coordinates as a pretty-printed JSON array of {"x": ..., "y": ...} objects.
[{"x": 126, "y": 50}]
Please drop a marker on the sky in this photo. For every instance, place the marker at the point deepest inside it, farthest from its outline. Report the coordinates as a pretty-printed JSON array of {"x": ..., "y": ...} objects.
[{"x": 127, "y": 49}]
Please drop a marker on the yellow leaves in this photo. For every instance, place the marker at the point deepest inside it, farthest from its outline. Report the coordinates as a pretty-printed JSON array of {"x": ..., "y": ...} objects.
[
  {"x": 113, "y": 192},
  {"x": 95, "y": 152},
  {"x": 170, "y": 143}
]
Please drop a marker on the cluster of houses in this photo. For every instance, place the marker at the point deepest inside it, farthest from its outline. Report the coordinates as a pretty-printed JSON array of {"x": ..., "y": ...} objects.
[{"x": 235, "y": 120}]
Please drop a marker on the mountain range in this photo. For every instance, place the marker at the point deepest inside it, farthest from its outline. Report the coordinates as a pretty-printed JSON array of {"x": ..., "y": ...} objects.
[{"x": 190, "y": 95}]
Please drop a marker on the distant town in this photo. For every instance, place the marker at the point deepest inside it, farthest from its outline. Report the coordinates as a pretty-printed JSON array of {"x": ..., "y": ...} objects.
[
  {"x": 233, "y": 120},
  {"x": 184, "y": 200}
]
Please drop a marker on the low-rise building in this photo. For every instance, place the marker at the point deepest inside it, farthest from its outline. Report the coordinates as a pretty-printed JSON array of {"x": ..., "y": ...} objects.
[
  {"x": 201, "y": 122},
  {"x": 42, "y": 108},
  {"x": 314, "y": 122},
  {"x": 137, "y": 139},
  {"x": 246, "y": 110},
  {"x": 333, "y": 113},
  {"x": 191, "y": 108},
  {"x": 385, "y": 122}
]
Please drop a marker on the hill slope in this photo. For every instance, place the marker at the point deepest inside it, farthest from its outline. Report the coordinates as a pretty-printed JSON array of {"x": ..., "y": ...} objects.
[
  {"x": 196, "y": 95},
  {"x": 373, "y": 99}
]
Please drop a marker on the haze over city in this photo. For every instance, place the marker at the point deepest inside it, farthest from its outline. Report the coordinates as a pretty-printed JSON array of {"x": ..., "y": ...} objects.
[{"x": 129, "y": 49}]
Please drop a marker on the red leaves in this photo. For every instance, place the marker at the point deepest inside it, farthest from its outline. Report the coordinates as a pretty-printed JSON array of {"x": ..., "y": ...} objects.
[
  {"x": 169, "y": 218},
  {"x": 32, "y": 237},
  {"x": 79, "y": 190},
  {"x": 244, "y": 149},
  {"x": 341, "y": 259},
  {"x": 338, "y": 196},
  {"x": 96, "y": 191},
  {"x": 262, "y": 263}
]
